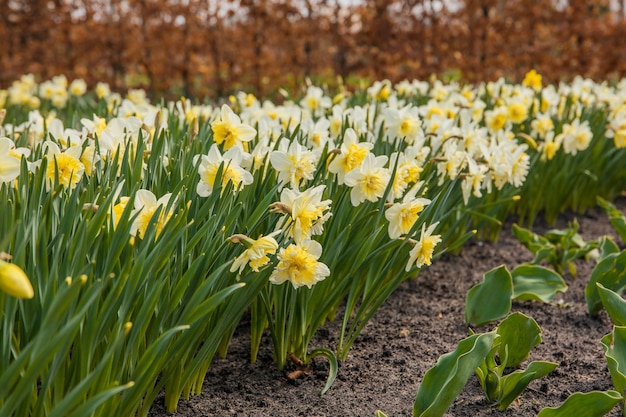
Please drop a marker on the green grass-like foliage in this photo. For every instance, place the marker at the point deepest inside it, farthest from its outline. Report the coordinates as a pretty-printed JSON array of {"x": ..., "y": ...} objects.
[{"x": 149, "y": 230}]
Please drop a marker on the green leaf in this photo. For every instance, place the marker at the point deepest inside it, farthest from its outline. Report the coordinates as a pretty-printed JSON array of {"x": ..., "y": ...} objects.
[
  {"x": 611, "y": 273},
  {"x": 607, "y": 246},
  {"x": 616, "y": 217},
  {"x": 614, "y": 345},
  {"x": 519, "y": 334},
  {"x": 589, "y": 404},
  {"x": 334, "y": 367},
  {"x": 534, "y": 282},
  {"x": 614, "y": 304},
  {"x": 443, "y": 382},
  {"x": 380, "y": 414},
  {"x": 515, "y": 383},
  {"x": 491, "y": 299}
]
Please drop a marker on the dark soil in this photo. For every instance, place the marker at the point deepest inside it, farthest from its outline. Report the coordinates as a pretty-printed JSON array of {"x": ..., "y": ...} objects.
[{"x": 421, "y": 321}]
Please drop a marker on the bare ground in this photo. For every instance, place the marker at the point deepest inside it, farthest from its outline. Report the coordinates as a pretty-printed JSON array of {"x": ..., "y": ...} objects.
[{"x": 421, "y": 321}]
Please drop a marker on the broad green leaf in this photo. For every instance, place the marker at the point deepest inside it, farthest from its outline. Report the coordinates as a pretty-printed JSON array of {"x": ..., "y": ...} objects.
[
  {"x": 380, "y": 414},
  {"x": 614, "y": 345},
  {"x": 611, "y": 273},
  {"x": 491, "y": 299},
  {"x": 614, "y": 304},
  {"x": 443, "y": 382},
  {"x": 534, "y": 282},
  {"x": 519, "y": 334},
  {"x": 515, "y": 383},
  {"x": 588, "y": 404}
]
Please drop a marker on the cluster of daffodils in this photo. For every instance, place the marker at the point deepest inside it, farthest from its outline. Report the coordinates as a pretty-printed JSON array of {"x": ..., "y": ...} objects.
[{"x": 399, "y": 146}]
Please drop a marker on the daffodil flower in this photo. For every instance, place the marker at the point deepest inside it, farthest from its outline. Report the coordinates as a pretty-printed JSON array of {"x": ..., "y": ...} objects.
[
  {"x": 299, "y": 265},
  {"x": 66, "y": 165},
  {"x": 229, "y": 129},
  {"x": 10, "y": 160},
  {"x": 145, "y": 206},
  {"x": 423, "y": 249},
  {"x": 294, "y": 163},
  {"x": 14, "y": 282},
  {"x": 256, "y": 253},
  {"x": 351, "y": 155},
  {"x": 232, "y": 171},
  {"x": 402, "y": 216},
  {"x": 305, "y": 212},
  {"x": 369, "y": 181}
]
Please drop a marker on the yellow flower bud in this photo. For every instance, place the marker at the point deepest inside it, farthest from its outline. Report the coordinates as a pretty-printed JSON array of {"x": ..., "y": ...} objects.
[{"x": 13, "y": 281}]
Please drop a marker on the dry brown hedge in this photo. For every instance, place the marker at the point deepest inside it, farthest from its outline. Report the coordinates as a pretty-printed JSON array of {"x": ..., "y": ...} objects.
[{"x": 212, "y": 47}]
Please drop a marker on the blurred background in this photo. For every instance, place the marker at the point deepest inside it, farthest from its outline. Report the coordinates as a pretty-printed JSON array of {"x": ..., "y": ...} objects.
[{"x": 211, "y": 47}]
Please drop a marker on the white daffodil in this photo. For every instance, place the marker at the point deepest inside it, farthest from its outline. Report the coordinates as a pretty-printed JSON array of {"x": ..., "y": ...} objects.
[{"x": 232, "y": 171}]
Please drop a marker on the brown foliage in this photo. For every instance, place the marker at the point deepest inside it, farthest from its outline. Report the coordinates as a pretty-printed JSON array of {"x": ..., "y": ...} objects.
[{"x": 211, "y": 47}]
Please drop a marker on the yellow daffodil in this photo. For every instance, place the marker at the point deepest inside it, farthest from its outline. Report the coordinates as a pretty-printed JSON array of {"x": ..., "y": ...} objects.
[
  {"x": 294, "y": 163},
  {"x": 351, "y": 156},
  {"x": 423, "y": 249},
  {"x": 145, "y": 207},
  {"x": 299, "y": 265},
  {"x": 256, "y": 253},
  {"x": 369, "y": 181},
  {"x": 229, "y": 129},
  {"x": 304, "y": 212},
  {"x": 532, "y": 80},
  {"x": 14, "y": 282},
  {"x": 232, "y": 171},
  {"x": 402, "y": 216},
  {"x": 66, "y": 165}
]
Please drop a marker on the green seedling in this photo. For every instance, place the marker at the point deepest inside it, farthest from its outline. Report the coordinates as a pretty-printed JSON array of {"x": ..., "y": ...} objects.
[
  {"x": 557, "y": 247},
  {"x": 517, "y": 335}
]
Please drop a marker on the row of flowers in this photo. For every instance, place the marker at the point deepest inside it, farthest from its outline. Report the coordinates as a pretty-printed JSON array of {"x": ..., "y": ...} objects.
[{"x": 183, "y": 215}]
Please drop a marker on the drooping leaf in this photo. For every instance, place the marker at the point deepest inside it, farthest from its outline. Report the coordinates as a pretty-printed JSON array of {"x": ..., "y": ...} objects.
[
  {"x": 534, "y": 282},
  {"x": 614, "y": 345},
  {"x": 518, "y": 334},
  {"x": 491, "y": 299},
  {"x": 614, "y": 304},
  {"x": 443, "y": 382},
  {"x": 611, "y": 273},
  {"x": 515, "y": 383},
  {"x": 616, "y": 217},
  {"x": 332, "y": 369},
  {"x": 588, "y": 404}
]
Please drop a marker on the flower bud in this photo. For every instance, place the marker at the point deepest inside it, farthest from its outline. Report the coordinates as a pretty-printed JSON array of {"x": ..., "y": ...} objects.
[{"x": 13, "y": 281}]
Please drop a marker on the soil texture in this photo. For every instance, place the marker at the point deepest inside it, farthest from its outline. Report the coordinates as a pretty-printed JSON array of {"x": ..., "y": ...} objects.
[{"x": 422, "y": 320}]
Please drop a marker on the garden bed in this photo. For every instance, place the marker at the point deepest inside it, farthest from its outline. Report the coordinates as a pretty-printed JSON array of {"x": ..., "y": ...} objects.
[{"x": 422, "y": 320}]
